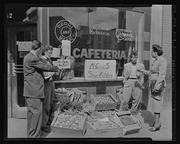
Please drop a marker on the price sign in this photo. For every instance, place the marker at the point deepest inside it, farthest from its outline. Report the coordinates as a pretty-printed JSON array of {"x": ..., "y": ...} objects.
[
  {"x": 100, "y": 70},
  {"x": 62, "y": 63}
]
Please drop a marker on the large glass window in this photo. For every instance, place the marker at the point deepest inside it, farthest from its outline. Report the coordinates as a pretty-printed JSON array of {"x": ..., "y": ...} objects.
[{"x": 97, "y": 33}]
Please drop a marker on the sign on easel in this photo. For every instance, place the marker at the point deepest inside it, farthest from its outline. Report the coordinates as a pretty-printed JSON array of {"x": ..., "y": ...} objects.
[
  {"x": 100, "y": 70},
  {"x": 66, "y": 48}
]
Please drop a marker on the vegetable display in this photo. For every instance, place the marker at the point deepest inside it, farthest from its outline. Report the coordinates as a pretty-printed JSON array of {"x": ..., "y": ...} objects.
[
  {"x": 107, "y": 113},
  {"x": 103, "y": 100},
  {"x": 69, "y": 121},
  {"x": 103, "y": 124},
  {"x": 127, "y": 120}
]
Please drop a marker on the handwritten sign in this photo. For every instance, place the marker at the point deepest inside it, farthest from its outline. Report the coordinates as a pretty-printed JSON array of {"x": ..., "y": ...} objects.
[
  {"x": 66, "y": 48},
  {"x": 24, "y": 45},
  {"x": 62, "y": 63},
  {"x": 100, "y": 70}
]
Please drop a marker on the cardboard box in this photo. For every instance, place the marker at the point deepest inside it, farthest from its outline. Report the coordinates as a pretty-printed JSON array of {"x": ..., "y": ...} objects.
[
  {"x": 127, "y": 129},
  {"x": 68, "y": 131},
  {"x": 103, "y": 133}
]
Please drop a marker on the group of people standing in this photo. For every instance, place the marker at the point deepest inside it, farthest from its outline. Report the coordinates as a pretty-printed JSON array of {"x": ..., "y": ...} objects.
[
  {"x": 133, "y": 84},
  {"x": 39, "y": 86}
]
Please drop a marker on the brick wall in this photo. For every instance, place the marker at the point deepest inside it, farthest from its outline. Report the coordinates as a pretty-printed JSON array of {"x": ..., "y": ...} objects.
[{"x": 167, "y": 48}]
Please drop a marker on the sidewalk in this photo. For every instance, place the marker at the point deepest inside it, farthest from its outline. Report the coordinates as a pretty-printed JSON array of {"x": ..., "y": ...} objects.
[{"x": 17, "y": 128}]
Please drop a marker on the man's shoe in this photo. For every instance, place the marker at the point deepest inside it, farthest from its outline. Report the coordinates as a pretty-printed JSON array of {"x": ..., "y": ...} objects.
[
  {"x": 153, "y": 129},
  {"x": 46, "y": 129}
]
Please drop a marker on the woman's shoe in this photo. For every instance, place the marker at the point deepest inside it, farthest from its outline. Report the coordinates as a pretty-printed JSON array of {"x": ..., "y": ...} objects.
[
  {"x": 152, "y": 125},
  {"x": 153, "y": 129}
]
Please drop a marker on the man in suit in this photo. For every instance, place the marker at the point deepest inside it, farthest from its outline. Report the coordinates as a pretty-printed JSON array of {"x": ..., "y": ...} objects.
[
  {"x": 133, "y": 83},
  {"x": 34, "y": 88}
]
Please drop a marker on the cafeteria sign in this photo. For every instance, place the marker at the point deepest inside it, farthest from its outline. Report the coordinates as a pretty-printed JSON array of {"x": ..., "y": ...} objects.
[
  {"x": 65, "y": 30},
  {"x": 123, "y": 34},
  {"x": 100, "y": 70}
]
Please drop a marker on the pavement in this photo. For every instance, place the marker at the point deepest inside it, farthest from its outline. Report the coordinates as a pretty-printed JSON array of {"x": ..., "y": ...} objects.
[{"x": 16, "y": 128}]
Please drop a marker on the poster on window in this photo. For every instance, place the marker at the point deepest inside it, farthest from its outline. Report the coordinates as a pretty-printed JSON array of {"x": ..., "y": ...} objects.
[
  {"x": 66, "y": 48},
  {"x": 24, "y": 45},
  {"x": 100, "y": 70}
]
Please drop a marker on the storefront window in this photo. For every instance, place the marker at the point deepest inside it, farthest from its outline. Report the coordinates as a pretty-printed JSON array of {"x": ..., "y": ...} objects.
[{"x": 97, "y": 33}]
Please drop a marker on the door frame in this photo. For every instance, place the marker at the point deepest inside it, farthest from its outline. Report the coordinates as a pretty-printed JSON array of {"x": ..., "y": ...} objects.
[{"x": 14, "y": 110}]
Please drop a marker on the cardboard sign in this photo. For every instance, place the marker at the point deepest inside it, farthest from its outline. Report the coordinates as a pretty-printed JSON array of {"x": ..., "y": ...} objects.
[
  {"x": 56, "y": 53},
  {"x": 24, "y": 45},
  {"x": 62, "y": 63},
  {"x": 66, "y": 47},
  {"x": 100, "y": 70}
]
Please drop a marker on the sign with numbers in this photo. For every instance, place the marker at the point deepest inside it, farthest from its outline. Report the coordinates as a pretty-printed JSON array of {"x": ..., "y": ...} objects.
[{"x": 62, "y": 63}]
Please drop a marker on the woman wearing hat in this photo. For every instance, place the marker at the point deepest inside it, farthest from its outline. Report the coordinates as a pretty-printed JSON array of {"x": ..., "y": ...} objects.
[{"x": 157, "y": 75}]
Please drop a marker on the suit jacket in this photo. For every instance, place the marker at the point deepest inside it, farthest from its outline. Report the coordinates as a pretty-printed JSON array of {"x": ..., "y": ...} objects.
[
  {"x": 33, "y": 75},
  {"x": 158, "y": 72},
  {"x": 139, "y": 74}
]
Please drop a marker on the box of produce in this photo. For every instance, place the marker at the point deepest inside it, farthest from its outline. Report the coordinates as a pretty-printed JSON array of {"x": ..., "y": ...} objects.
[
  {"x": 127, "y": 121},
  {"x": 103, "y": 128},
  {"x": 108, "y": 113},
  {"x": 69, "y": 123},
  {"x": 105, "y": 102},
  {"x": 95, "y": 116}
]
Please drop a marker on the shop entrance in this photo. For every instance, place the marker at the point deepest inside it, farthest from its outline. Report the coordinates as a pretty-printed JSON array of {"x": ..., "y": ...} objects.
[{"x": 19, "y": 33}]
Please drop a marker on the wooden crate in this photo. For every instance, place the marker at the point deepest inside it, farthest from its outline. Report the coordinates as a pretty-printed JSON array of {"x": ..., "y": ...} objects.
[
  {"x": 100, "y": 116},
  {"x": 103, "y": 133},
  {"x": 129, "y": 129},
  {"x": 67, "y": 131},
  {"x": 108, "y": 106}
]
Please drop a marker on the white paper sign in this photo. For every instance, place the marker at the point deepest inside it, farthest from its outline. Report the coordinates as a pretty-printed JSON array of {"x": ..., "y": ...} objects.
[
  {"x": 62, "y": 63},
  {"x": 24, "y": 45},
  {"x": 66, "y": 47},
  {"x": 100, "y": 70},
  {"x": 56, "y": 53}
]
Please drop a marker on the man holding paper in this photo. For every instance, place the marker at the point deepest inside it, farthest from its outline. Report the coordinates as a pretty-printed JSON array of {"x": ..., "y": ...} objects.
[{"x": 49, "y": 88}]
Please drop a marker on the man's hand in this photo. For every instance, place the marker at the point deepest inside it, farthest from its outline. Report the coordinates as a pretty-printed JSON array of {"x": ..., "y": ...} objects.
[{"x": 145, "y": 72}]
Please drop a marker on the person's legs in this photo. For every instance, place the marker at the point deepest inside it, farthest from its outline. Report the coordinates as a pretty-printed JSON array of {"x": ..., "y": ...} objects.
[
  {"x": 46, "y": 103},
  {"x": 157, "y": 108},
  {"x": 126, "y": 95},
  {"x": 34, "y": 117},
  {"x": 51, "y": 113},
  {"x": 136, "y": 97}
]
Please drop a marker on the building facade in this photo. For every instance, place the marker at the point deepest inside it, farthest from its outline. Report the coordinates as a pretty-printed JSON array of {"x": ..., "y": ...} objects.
[{"x": 104, "y": 33}]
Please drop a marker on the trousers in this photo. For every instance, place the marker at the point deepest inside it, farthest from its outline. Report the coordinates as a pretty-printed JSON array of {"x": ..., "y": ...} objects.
[
  {"x": 130, "y": 90},
  {"x": 34, "y": 117},
  {"x": 48, "y": 101}
]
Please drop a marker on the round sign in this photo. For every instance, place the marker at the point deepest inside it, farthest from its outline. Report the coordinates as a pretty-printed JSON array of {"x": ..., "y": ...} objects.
[{"x": 65, "y": 30}]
